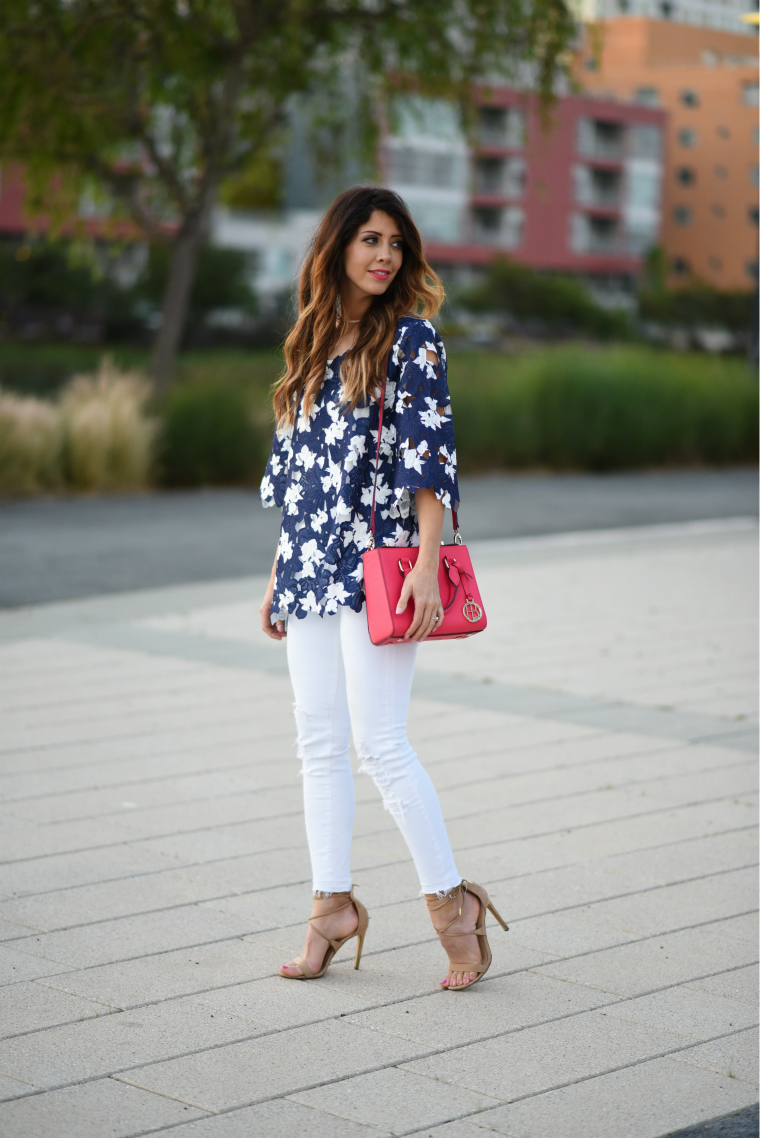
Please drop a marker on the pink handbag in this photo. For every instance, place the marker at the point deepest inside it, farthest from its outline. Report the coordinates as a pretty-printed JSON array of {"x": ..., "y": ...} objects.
[{"x": 385, "y": 569}]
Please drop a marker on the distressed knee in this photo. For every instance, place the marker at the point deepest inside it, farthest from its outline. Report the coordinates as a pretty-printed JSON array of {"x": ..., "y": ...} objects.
[{"x": 383, "y": 777}]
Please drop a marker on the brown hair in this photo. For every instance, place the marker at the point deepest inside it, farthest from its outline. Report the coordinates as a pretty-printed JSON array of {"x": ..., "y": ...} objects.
[{"x": 414, "y": 290}]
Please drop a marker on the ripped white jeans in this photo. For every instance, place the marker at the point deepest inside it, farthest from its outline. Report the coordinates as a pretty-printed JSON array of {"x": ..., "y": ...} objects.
[{"x": 341, "y": 680}]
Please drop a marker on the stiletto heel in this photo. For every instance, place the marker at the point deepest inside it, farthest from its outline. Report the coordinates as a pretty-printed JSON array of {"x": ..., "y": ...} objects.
[
  {"x": 501, "y": 920},
  {"x": 479, "y": 931},
  {"x": 334, "y": 946}
]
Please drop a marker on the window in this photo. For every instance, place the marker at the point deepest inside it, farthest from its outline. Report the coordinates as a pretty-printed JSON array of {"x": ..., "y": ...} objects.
[
  {"x": 499, "y": 227},
  {"x": 687, "y": 137},
  {"x": 502, "y": 177},
  {"x": 752, "y": 214},
  {"x": 689, "y": 98},
  {"x": 720, "y": 171},
  {"x": 682, "y": 215},
  {"x": 647, "y": 96},
  {"x": 723, "y": 132},
  {"x": 644, "y": 141},
  {"x": 717, "y": 210},
  {"x": 598, "y": 138},
  {"x": 502, "y": 126},
  {"x": 753, "y": 178},
  {"x": 750, "y": 94},
  {"x": 681, "y": 267},
  {"x": 410, "y": 166},
  {"x": 751, "y": 267},
  {"x": 624, "y": 5},
  {"x": 685, "y": 176},
  {"x": 666, "y": 10}
]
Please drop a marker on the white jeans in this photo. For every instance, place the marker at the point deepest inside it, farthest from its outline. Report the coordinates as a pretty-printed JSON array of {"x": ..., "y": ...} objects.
[{"x": 341, "y": 680}]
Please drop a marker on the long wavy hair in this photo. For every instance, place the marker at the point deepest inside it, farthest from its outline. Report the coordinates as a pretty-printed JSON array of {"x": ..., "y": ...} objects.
[{"x": 415, "y": 290}]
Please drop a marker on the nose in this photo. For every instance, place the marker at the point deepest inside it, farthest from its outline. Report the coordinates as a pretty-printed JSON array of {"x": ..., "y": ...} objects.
[{"x": 383, "y": 253}]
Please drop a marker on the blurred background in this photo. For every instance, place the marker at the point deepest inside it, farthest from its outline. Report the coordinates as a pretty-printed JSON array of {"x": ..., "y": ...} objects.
[{"x": 586, "y": 182}]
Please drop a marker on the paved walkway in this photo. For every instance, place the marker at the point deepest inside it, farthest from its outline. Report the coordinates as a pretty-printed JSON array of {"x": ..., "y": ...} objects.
[{"x": 594, "y": 755}]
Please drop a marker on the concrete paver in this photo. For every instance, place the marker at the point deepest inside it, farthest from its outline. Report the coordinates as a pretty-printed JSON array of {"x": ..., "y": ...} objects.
[
  {"x": 643, "y": 1101},
  {"x": 154, "y": 874},
  {"x": 394, "y": 1100},
  {"x": 90, "y": 1111}
]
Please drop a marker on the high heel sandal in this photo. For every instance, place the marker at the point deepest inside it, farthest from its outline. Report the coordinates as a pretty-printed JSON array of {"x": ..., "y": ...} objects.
[
  {"x": 334, "y": 945},
  {"x": 479, "y": 931}
]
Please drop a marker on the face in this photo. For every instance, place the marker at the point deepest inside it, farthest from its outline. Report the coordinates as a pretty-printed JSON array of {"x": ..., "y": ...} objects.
[{"x": 373, "y": 256}]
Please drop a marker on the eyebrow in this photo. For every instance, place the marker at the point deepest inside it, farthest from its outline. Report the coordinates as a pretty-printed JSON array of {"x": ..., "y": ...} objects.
[{"x": 377, "y": 233}]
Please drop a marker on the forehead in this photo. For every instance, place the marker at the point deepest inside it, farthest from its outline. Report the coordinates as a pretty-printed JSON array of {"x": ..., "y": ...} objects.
[{"x": 381, "y": 222}]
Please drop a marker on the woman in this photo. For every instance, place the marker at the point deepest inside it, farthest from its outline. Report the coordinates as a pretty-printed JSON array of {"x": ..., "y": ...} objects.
[{"x": 361, "y": 284}]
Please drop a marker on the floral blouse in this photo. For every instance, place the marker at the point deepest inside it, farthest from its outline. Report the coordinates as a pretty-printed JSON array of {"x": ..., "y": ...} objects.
[{"x": 321, "y": 471}]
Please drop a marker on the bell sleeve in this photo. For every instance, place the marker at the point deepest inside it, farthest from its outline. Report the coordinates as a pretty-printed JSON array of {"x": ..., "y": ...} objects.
[
  {"x": 275, "y": 480},
  {"x": 424, "y": 427}
]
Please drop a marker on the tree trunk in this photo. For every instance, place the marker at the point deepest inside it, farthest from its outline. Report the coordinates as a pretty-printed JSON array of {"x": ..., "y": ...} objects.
[{"x": 177, "y": 293}]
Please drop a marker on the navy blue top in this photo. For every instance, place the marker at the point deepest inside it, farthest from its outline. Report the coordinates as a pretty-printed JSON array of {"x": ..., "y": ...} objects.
[{"x": 321, "y": 470}]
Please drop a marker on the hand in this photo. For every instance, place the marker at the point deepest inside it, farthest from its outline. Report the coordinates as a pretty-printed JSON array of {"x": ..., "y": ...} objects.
[
  {"x": 421, "y": 586},
  {"x": 275, "y": 631}
]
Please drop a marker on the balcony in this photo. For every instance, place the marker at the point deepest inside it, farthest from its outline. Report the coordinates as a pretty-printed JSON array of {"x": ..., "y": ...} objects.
[
  {"x": 500, "y": 228},
  {"x": 601, "y": 141},
  {"x": 597, "y": 188},
  {"x": 502, "y": 128},
  {"x": 597, "y": 236},
  {"x": 499, "y": 177}
]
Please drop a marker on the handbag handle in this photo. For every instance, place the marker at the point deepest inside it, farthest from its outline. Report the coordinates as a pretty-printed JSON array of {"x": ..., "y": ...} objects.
[{"x": 454, "y": 518}]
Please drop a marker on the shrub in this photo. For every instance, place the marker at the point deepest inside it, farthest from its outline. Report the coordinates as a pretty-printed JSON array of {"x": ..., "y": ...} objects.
[
  {"x": 557, "y": 301},
  {"x": 606, "y": 410},
  {"x": 108, "y": 439},
  {"x": 209, "y": 435},
  {"x": 30, "y": 445}
]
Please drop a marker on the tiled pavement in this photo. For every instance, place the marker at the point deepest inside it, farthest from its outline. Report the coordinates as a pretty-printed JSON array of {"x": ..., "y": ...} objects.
[{"x": 594, "y": 752}]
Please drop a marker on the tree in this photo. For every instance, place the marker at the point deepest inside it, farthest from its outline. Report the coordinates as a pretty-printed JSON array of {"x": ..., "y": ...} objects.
[{"x": 158, "y": 101}]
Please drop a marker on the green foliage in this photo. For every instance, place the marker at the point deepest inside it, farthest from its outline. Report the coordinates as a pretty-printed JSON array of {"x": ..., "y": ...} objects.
[
  {"x": 693, "y": 304},
  {"x": 698, "y": 305},
  {"x": 210, "y": 437},
  {"x": 220, "y": 280},
  {"x": 559, "y": 302},
  {"x": 44, "y": 274},
  {"x": 158, "y": 103},
  {"x": 570, "y": 409}
]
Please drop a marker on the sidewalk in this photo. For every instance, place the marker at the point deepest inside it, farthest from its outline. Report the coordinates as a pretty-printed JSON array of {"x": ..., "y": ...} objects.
[{"x": 595, "y": 756}]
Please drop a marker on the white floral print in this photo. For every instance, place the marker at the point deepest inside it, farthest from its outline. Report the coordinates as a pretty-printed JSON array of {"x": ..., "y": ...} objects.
[{"x": 321, "y": 473}]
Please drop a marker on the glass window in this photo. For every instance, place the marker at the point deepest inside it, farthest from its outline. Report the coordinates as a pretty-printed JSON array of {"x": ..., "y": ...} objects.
[
  {"x": 681, "y": 266},
  {"x": 687, "y": 137},
  {"x": 647, "y": 96},
  {"x": 666, "y": 10},
  {"x": 750, "y": 94},
  {"x": 682, "y": 215},
  {"x": 752, "y": 214},
  {"x": 685, "y": 176},
  {"x": 645, "y": 141},
  {"x": 689, "y": 98},
  {"x": 751, "y": 267},
  {"x": 753, "y": 176}
]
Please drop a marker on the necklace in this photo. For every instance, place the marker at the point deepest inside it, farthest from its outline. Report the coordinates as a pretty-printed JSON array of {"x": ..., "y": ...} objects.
[{"x": 353, "y": 321}]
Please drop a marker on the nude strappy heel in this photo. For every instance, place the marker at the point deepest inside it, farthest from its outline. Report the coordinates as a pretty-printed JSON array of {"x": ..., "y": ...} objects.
[
  {"x": 479, "y": 931},
  {"x": 334, "y": 945}
]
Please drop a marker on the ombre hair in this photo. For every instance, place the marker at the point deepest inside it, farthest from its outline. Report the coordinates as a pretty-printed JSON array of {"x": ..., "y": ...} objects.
[{"x": 415, "y": 290}]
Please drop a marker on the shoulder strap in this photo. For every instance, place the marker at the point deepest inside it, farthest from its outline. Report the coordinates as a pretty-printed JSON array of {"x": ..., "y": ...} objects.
[{"x": 454, "y": 517}]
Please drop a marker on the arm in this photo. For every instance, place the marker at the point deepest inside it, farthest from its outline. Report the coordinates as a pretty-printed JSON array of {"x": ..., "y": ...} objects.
[
  {"x": 421, "y": 584},
  {"x": 275, "y": 631}
]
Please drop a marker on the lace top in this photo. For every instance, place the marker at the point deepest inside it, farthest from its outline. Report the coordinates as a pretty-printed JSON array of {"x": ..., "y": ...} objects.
[{"x": 321, "y": 470}]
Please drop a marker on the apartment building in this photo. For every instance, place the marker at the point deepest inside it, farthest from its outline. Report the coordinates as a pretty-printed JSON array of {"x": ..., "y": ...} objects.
[
  {"x": 575, "y": 190},
  {"x": 724, "y": 15},
  {"x": 707, "y": 81}
]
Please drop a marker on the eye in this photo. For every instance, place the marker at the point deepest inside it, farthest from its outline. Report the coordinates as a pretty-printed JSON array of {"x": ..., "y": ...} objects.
[
  {"x": 371, "y": 239},
  {"x": 397, "y": 243}
]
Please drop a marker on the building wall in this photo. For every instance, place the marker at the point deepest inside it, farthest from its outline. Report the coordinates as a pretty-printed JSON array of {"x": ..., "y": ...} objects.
[
  {"x": 707, "y": 81},
  {"x": 723, "y": 15},
  {"x": 576, "y": 191}
]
